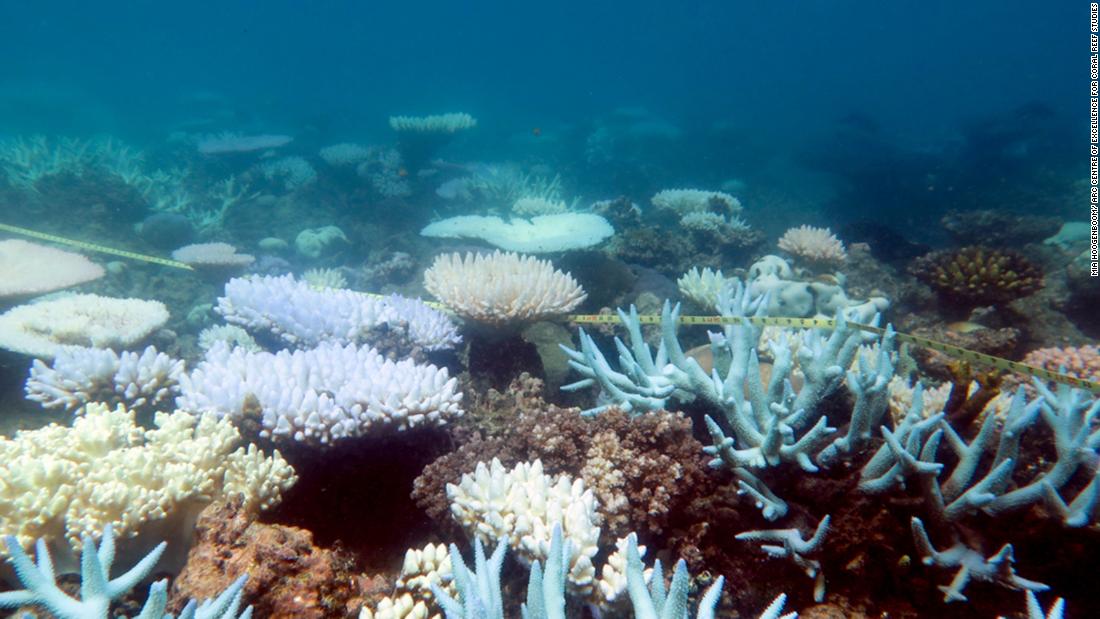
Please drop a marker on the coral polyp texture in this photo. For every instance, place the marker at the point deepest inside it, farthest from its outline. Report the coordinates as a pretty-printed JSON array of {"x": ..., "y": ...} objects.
[
  {"x": 816, "y": 246},
  {"x": 502, "y": 288},
  {"x": 44, "y": 329},
  {"x": 977, "y": 275},
  {"x": 1079, "y": 361},
  {"x": 28, "y": 269},
  {"x": 61, "y": 483},
  {"x": 322, "y": 394},
  {"x": 437, "y": 123},
  {"x": 304, "y": 316}
]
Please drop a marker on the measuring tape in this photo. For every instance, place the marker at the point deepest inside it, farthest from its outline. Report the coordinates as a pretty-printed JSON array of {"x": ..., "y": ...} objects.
[
  {"x": 34, "y": 234},
  {"x": 957, "y": 352},
  {"x": 965, "y": 354}
]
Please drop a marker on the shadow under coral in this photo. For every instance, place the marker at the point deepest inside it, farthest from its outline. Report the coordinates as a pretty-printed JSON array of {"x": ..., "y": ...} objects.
[{"x": 355, "y": 494}]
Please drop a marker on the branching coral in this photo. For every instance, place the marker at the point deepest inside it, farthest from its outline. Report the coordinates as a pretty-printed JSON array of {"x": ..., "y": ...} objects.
[
  {"x": 978, "y": 275},
  {"x": 62, "y": 483}
]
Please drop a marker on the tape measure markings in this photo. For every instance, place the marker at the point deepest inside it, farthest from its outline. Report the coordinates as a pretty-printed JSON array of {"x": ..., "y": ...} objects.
[
  {"x": 958, "y": 352},
  {"x": 95, "y": 248}
]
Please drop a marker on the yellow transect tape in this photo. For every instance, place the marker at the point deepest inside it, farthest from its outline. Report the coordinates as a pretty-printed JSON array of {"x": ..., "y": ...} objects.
[
  {"x": 957, "y": 352},
  {"x": 34, "y": 234}
]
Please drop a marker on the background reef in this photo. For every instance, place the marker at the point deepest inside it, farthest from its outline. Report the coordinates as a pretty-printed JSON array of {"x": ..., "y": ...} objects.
[{"x": 379, "y": 219}]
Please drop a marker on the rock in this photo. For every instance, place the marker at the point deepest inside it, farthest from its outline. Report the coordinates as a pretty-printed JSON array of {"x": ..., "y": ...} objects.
[{"x": 288, "y": 576}]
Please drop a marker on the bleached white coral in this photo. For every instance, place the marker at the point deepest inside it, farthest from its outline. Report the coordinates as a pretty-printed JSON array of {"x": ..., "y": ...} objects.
[
  {"x": 438, "y": 123},
  {"x": 412, "y": 596},
  {"x": 79, "y": 376},
  {"x": 323, "y": 394},
  {"x": 325, "y": 278},
  {"x": 501, "y": 288},
  {"x": 293, "y": 172},
  {"x": 344, "y": 154},
  {"x": 815, "y": 245},
  {"x": 522, "y": 505},
  {"x": 212, "y": 255},
  {"x": 64, "y": 482},
  {"x": 684, "y": 201},
  {"x": 30, "y": 269},
  {"x": 544, "y": 233},
  {"x": 43, "y": 329},
  {"x": 702, "y": 287},
  {"x": 232, "y": 335},
  {"x": 305, "y": 316}
]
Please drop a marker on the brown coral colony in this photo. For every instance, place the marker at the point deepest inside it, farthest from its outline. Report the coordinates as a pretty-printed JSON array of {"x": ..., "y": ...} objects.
[{"x": 977, "y": 275}]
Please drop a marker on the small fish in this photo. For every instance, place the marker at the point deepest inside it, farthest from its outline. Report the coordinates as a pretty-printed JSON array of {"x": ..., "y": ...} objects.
[
  {"x": 402, "y": 172},
  {"x": 963, "y": 326},
  {"x": 537, "y": 131}
]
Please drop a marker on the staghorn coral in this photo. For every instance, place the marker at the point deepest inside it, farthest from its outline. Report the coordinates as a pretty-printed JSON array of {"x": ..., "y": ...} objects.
[{"x": 976, "y": 275}]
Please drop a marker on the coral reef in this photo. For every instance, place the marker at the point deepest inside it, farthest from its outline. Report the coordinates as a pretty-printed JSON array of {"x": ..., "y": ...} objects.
[
  {"x": 977, "y": 275},
  {"x": 322, "y": 394},
  {"x": 302, "y": 315},
  {"x": 80, "y": 376},
  {"x": 818, "y": 247},
  {"x": 44, "y": 329},
  {"x": 62, "y": 483},
  {"x": 502, "y": 288}
]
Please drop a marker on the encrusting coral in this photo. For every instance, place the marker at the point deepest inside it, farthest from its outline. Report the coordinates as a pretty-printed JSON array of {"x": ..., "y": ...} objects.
[{"x": 976, "y": 275}]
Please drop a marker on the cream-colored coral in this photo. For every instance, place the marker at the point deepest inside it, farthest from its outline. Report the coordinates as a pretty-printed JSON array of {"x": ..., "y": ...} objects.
[
  {"x": 212, "y": 255},
  {"x": 30, "y": 269},
  {"x": 403, "y": 606},
  {"x": 41, "y": 329},
  {"x": 412, "y": 595},
  {"x": 61, "y": 482},
  {"x": 502, "y": 288},
  {"x": 325, "y": 278},
  {"x": 818, "y": 246},
  {"x": 522, "y": 505},
  {"x": 232, "y": 335},
  {"x": 702, "y": 287},
  {"x": 933, "y": 399}
]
